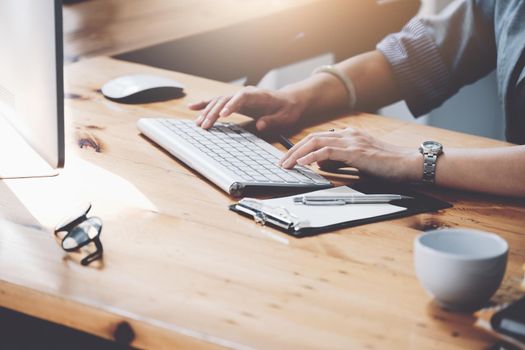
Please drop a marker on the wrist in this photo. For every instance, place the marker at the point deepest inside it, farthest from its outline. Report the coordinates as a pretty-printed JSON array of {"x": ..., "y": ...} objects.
[
  {"x": 399, "y": 164},
  {"x": 301, "y": 95},
  {"x": 344, "y": 80},
  {"x": 413, "y": 165}
]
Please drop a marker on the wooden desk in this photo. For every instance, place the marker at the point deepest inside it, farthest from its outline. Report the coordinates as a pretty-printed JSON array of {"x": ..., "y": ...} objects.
[{"x": 182, "y": 271}]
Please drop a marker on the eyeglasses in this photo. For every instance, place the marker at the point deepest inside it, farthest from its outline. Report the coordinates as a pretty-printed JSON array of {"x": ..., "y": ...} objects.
[{"x": 80, "y": 233}]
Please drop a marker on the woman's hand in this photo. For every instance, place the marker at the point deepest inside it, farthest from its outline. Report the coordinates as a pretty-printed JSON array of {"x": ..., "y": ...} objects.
[
  {"x": 359, "y": 150},
  {"x": 272, "y": 109}
]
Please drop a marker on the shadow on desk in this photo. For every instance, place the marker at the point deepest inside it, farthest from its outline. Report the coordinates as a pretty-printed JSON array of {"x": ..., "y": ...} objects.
[{"x": 22, "y": 332}]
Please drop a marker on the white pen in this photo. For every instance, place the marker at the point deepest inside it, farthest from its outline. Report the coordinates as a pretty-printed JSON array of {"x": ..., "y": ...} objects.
[{"x": 349, "y": 199}]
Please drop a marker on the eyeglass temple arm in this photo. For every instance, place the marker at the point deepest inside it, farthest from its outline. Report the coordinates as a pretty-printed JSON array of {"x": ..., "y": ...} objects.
[{"x": 95, "y": 255}]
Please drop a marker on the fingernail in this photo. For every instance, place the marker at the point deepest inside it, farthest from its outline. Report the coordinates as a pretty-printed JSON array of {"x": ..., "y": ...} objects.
[
  {"x": 301, "y": 161},
  {"x": 199, "y": 120},
  {"x": 261, "y": 125},
  {"x": 206, "y": 124},
  {"x": 287, "y": 164},
  {"x": 225, "y": 112}
]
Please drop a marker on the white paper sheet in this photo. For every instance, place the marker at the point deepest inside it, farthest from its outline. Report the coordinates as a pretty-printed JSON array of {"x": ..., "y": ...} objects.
[{"x": 320, "y": 216}]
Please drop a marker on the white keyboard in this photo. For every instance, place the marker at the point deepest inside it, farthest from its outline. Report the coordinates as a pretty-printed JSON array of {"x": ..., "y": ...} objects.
[{"x": 231, "y": 157}]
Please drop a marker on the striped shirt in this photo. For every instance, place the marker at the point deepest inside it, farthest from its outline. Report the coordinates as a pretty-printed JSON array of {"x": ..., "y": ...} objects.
[{"x": 433, "y": 57}]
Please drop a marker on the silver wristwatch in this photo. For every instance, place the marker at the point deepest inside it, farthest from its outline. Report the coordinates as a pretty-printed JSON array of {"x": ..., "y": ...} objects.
[{"x": 430, "y": 150}]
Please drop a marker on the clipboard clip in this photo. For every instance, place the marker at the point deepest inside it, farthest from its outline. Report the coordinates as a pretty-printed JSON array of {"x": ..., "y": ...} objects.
[{"x": 264, "y": 214}]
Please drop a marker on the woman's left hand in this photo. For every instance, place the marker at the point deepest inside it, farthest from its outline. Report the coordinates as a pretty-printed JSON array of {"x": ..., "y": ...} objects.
[{"x": 359, "y": 150}]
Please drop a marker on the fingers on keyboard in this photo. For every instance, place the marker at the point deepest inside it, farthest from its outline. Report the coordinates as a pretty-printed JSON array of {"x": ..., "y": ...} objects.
[{"x": 240, "y": 152}]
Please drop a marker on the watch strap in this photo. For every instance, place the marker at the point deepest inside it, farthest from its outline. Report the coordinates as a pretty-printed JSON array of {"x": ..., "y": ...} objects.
[{"x": 429, "y": 168}]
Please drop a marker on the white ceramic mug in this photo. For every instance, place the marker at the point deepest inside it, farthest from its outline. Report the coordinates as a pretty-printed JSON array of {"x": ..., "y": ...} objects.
[{"x": 460, "y": 268}]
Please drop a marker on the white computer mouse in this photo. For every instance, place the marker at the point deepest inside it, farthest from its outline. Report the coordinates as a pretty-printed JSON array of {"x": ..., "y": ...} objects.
[{"x": 142, "y": 88}]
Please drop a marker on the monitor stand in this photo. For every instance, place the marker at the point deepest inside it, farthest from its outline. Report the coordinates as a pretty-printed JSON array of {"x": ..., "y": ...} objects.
[{"x": 17, "y": 158}]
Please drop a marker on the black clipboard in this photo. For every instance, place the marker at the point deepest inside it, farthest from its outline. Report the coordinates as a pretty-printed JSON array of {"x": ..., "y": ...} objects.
[{"x": 421, "y": 203}]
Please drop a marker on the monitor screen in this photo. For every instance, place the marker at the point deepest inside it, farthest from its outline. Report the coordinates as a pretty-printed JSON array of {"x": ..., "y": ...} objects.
[{"x": 31, "y": 86}]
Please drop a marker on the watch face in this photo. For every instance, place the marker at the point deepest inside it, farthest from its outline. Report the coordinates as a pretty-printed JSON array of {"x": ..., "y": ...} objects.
[{"x": 432, "y": 146}]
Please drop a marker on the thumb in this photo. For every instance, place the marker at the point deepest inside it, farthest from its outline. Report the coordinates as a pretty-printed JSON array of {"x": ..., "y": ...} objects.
[{"x": 269, "y": 121}]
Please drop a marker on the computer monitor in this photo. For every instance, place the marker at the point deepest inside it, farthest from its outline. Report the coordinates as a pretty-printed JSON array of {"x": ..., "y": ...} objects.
[{"x": 31, "y": 88}]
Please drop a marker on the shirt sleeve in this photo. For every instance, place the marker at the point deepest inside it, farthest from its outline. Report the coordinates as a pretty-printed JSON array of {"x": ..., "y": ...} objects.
[
  {"x": 433, "y": 57},
  {"x": 516, "y": 124}
]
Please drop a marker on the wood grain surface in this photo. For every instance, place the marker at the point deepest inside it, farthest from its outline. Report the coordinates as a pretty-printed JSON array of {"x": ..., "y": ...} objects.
[{"x": 182, "y": 271}]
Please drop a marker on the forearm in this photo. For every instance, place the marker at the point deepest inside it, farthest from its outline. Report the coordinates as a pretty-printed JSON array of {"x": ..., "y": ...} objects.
[
  {"x": 490, "y": 170},
  {"x": 372, "y": 78}
]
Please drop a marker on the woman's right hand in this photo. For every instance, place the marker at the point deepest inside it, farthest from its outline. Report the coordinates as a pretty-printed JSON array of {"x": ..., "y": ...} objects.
[{"x": 271, "y": 109}]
